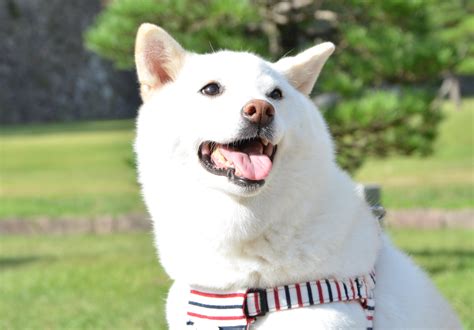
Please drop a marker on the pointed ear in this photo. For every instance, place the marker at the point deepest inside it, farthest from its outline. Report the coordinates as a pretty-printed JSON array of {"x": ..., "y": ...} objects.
[
  {"x": 303, "y": 69},
  {"x": 158, "y": 58}
]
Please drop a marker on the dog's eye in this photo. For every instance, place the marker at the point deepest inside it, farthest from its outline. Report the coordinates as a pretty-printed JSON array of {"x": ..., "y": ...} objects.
[
  {"x": 211, "y": 89},
  {"x": 276, "y": 94}
]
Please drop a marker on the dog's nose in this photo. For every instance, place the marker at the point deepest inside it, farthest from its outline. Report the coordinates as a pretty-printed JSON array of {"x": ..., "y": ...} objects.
[{"x": 259, "y": 112}]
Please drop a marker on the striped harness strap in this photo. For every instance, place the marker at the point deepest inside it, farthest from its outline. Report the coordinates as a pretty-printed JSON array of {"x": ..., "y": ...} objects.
[{"x": 238, "y": 310}]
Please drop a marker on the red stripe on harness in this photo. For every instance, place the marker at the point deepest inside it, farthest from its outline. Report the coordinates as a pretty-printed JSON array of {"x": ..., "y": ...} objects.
[
  {"x": 277, "y": 299},
  {"x": 320, "y": 292},
  {"x": 218, "y": 295},
  {"x": 298, "y": 294},
  {"x": 257, "y": 304},
  {"x": 352, "y": 288},
  {"x": 217, "y": 318},
  {"x": 338, "y": 291}
]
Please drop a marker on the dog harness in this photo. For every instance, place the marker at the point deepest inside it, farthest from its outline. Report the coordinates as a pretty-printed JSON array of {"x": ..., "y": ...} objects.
[{"x": 239, "y": 309}]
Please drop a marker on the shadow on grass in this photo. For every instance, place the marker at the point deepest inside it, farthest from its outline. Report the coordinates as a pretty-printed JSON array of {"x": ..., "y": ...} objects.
[
  {"x": 12, "y": 262},
  {"x": 442, "y": 260}
]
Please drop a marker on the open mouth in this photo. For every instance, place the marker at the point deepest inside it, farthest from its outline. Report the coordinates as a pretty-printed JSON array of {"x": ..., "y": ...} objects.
[{"x": 245, "y": 162}]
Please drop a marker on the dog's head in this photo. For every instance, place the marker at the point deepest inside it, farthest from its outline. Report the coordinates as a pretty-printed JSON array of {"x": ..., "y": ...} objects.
[{"x": 227, "y": 121}]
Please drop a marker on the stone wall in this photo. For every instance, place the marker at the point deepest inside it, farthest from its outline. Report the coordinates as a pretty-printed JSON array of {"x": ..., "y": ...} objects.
[{"x": 45, "y": 72}]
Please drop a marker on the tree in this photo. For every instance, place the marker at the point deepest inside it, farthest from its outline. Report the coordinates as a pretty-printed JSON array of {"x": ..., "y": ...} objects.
[
  {"x": 383, "y": 76},
  {"x": 378, "y": 87},
  {"x": 200, "y": 26},
  {"x": 454, "y": 21}
]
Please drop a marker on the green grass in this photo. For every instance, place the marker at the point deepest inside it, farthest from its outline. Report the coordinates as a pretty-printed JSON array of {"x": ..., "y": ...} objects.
[
  {"x": 68, "y": 170},
  {"x": 448, "y": 256},
  {"x": 85, "y": 169},
  {"x": 81, "y": 282},
  {"x": 114, "y": 281},
  {"x": 442, "y": 180}
]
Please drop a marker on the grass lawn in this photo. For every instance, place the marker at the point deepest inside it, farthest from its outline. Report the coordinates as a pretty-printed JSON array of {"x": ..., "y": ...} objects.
[
  {"x": 85, "y": 168},
  {"x": 81, "y": 282},
  {"x": 114, "y": 281},
  {"x": 73, "y": 169},
  {"x": 442, "y": 180},
  {"x": 448, "y": 256}
]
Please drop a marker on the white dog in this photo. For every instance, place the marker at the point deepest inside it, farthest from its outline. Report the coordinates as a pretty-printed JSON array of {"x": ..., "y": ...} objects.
[{"x": 238, "y": 173}]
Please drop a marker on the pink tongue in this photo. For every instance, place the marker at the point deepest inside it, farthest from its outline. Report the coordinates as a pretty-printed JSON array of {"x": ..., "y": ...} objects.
[{"x": 251, "y": 164}]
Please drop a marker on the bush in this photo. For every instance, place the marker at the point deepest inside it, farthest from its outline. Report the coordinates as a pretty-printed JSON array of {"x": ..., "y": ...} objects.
[
  {"x": 386, "y": 70},
  {"x": 200, "y": 26},
  {"x": 381, "y": 81}
]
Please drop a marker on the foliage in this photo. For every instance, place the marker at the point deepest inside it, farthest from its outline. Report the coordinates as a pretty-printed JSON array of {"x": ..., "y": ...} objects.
[
  {"x": 455, "y": 21},
  {"x": 442, "y": 180},
  {"x": 390, "y": 56},
  {"x": 380, "y": 123},
  {"x": 115, "y": 282},
  {"x": 388, "y": 63},
  {"x": 198, "y": 25}
]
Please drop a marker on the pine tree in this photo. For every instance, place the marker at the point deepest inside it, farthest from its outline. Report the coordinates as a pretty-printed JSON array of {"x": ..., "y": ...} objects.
[
  {"x": 378, "y": 87},
  {"x": 200, "y": 26}
]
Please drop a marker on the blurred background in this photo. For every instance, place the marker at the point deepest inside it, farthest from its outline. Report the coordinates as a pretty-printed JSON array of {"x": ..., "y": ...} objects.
[{"x": 75, "y": 246}]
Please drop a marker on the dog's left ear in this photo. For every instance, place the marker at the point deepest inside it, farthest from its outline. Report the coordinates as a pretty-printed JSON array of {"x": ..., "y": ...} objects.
[{"x": 303, "y": 69}]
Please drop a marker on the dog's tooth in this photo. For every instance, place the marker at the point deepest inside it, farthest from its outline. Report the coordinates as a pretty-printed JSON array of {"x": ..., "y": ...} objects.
[
  {"x": 229, "y": 164},
  {"x": 217, "y": 157},
  {"x": 265, "y": 142},
  {"x": 268, "y": 150}
]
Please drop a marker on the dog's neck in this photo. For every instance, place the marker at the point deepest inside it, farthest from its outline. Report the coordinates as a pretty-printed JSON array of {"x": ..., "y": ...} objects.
[{"x": 233, "y": 243}]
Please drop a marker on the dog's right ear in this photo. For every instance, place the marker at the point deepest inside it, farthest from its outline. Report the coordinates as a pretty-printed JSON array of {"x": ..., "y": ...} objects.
[{"x": 158, "y": 58}]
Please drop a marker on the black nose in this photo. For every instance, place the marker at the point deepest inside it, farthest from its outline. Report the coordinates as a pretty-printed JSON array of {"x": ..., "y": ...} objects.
[{"x": 258, "y": 112}]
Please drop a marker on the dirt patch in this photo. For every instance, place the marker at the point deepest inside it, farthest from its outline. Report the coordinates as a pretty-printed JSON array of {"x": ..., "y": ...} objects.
[
  {"x": 413, "y": 218},
  {"x": 430, "y": 218},
  {"x": 97, "y": 225}
]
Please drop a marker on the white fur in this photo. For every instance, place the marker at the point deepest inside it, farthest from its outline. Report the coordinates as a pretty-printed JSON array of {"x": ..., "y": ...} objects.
[{"x": 307, "y": 222}]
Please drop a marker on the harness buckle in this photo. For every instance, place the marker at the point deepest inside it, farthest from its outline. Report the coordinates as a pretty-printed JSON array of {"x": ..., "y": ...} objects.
[{"x": 263, "y": 303}]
